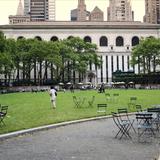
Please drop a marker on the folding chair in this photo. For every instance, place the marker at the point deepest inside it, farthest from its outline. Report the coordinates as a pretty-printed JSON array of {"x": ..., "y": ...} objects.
[
  {"x": 90, "y": 103},
  {"x": 3, "y": 114},
  {"x": 123, "y": 126},
  {"x": 115, "y": 97},
  {"x": 138, "y": 108},
  {"x": 123, "y": 115},
  {"x": 108, "y": 97},
  {"x": 132, "y": 102},
  {"x": 144, "y": 124},
  {"x": 133, "y": 99},
  {"x": 102, "y": 108},
  {"x": 78, "y": 102},
  {"x": 155, "y": 117}
]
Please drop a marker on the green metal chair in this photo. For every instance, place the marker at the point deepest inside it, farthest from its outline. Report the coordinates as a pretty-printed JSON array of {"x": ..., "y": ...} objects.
[
  {"x": 132, "y": 103},
  {"x": 90, "y": 102},
  {"x": 78, "y": 102},
  {"x": 102, "y": 108}
]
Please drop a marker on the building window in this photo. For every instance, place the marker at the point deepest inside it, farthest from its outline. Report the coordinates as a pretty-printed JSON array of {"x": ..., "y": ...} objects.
[
  {"x": 20, "y": 37},
  {"x": 103, "y": 41},
  {"x": 54, "y": 38},
  {"x": 119, "y": 41},
  {"x": 38, "y": 38},
  {"x": 70, "y": 37},
  {"x": 135, "y": 41},
  {"x": 87, "y": 39}
]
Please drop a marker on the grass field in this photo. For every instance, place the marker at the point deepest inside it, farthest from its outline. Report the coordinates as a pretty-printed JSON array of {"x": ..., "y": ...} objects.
[{"x": 28, "y": 110}]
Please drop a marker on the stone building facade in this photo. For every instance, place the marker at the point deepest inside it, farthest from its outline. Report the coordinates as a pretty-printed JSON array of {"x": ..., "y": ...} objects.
[{"x": 113, "y": 39}]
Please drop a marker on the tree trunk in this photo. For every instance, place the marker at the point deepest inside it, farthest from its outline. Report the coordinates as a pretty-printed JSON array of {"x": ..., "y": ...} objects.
[{"x": 35, "y": 72}]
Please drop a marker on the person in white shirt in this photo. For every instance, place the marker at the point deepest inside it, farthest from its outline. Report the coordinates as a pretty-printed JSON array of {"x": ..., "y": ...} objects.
[{"x": 53, "y": 94}]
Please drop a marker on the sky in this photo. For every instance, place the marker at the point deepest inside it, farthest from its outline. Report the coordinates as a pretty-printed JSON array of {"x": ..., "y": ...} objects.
[{"x": 63, "y": 8}]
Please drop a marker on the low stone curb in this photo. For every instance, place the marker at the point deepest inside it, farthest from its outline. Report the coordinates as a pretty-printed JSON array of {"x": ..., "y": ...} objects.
[{"x": 41, "y": 128}]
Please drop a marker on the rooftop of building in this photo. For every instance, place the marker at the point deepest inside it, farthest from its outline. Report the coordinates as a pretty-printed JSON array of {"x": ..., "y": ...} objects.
[
  {"x": 96, "y": 9},
  {"x": 81, "y": 25}
]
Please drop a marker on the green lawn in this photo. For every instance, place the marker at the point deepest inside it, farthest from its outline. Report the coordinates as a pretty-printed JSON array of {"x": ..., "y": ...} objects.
[{"x": 27, "y": 110}]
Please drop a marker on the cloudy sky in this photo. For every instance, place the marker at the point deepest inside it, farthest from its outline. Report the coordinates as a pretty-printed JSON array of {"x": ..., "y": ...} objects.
[{"x": 63, "y": 7}]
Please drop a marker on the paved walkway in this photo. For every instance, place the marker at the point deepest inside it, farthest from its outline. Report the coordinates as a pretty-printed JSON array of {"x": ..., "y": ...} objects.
[{"x": 92, "y": 140}]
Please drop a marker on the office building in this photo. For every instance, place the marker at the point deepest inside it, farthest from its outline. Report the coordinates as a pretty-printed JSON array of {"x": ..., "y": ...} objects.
[
  {"x": 152, "y": 11},
  {"x": 119, "y": 10},
  {"x": 19, "y": 17},
  {"x": 42, "y": 10},
  {"x": 96, "y": 15},
  {"x": 26, "y": 7},
  {"x": 80, "y": 14},
  {"x": 51, "y": 10}
]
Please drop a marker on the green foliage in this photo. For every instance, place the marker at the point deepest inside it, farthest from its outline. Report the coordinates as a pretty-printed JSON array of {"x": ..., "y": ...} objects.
[
  {"x": 26, "y": 55},
  {"x": 6, "y": 63},
  {"x": 2, "y": 42},
  {"x": 83, "y": 53},
  {"x": 147, "y": 53}
]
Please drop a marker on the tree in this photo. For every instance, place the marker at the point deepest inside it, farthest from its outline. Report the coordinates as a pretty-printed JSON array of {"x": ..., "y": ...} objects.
[
  {"x": 52, "y": 59},
  {"x": 7, "y": 65},
  {"x": 64, "y": 58},
  {"x": 2, "y": 42},
  {"x": 24, "y": 58},
  {"x": 147, "y": 54},
  {"x": 83, "y": 54}
]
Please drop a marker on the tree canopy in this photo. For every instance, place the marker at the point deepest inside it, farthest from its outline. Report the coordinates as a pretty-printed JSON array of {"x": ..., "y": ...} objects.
[
  {"x": 147, "y": 54},
  {"x": 23, "y": 57}
]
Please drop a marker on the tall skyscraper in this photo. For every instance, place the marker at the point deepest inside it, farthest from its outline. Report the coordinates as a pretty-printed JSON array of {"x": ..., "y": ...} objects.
[
  {"x": 26, "y": 7},
  {"x": 51, "y": 10},
  {"x": 80, "y": 14},
  {"x": 42, "y": 10},
  {"x": 37, "y": 10},
  {"x": 119, "y": 10},
  {"x": 152, "y": 11}
]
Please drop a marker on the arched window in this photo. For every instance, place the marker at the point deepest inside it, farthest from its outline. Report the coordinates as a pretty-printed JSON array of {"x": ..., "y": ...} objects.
[
  {"x": 135, "y": 41},
  {"x": 70, "y": 37},
  {"x": 20, "y": 37},
  {"x": 119, "y": 41},
  {"x": 151, "y": 37},
  {"x": 87, "y": 39},
  {"x": 54, "y": 38},
  {"x": 38, "y": 38},
  {"x": 103, "y": 41}
]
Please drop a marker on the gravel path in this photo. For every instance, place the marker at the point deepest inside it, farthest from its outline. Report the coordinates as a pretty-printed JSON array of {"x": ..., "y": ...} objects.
[{"x": 92, "y": 140}]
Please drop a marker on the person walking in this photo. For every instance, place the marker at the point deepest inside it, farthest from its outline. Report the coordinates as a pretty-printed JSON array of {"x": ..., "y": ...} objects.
[
  {"x": 102, "y": 88},
  {"x": 53, "y": 95}
]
